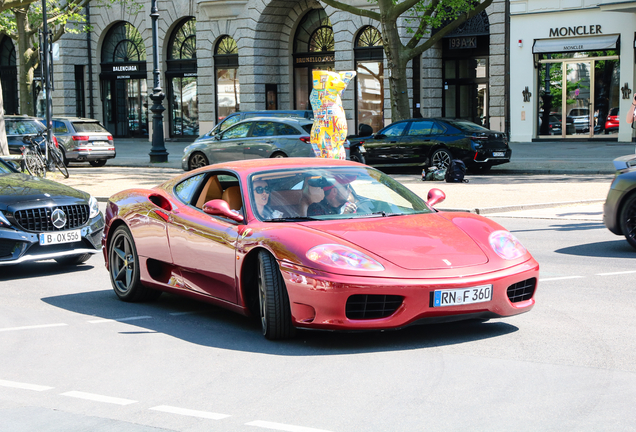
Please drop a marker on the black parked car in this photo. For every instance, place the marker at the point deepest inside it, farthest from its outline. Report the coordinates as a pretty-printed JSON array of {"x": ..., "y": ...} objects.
[
  {"x": 619, "y": 211},
  {"x": 17, "y": 127},
  {"x": 435, "y": 142},
  {"x": 41, "y": 219}
]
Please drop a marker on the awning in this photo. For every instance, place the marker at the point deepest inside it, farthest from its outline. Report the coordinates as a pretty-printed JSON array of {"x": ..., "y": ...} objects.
[{"x": 591, "y": 43}]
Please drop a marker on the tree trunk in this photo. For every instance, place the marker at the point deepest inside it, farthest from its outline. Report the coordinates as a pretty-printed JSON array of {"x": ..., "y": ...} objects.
[
  {"x": 28, "y": 60},
  {"x": 396, "y": 64}
]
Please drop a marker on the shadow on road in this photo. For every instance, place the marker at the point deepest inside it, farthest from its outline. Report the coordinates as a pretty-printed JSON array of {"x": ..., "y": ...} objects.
[
  {"x": 42, "y": 269},
  {"x": 606, "y": 249},
  {"x": 210, "y": 326}
]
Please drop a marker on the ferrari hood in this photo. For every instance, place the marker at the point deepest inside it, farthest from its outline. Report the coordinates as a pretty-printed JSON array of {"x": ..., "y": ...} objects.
[{"x": 416, "y": 242}]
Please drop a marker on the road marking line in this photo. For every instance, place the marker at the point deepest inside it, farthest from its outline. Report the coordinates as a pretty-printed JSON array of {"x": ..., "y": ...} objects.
[
  {"x": 120, "y": 319},
  {"x": 99, "y": 398},
  {"x": 33, "y": 327},
  {"x": 24, "y": 386},
  {"x": 283, "y": 427},
  {"x": 189, "y": 412},
  {"x": 560, "y": 278},
  {"x": 616, "y": 273},
  {"x": 185, "y": 313}
]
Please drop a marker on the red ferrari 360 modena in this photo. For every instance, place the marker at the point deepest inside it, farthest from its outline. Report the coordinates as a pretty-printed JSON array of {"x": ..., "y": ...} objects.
[{"x": 313, "y": 243}]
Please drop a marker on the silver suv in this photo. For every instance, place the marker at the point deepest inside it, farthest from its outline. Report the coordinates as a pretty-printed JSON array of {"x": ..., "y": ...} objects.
[
  {"x": 580, "y": 119},
  {"x": 84, "y": 140}
]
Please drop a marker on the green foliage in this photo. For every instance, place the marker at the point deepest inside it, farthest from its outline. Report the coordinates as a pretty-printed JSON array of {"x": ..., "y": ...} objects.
[{"x": 422, "y": 18}]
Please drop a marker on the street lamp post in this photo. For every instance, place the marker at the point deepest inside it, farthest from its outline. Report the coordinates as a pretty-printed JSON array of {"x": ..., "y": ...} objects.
[{"x": 158, "y": 152}]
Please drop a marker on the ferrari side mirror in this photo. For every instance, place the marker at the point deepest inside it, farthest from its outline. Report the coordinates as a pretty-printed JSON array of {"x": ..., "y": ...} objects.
[
  {"x": 435, "y": 196},
  {"x": 219, "y": 207}
]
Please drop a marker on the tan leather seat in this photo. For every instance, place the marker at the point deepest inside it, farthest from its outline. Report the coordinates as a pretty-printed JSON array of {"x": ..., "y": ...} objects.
[
  {"x": 211, "y": 190},
  {"x": 232, "y": 196}
]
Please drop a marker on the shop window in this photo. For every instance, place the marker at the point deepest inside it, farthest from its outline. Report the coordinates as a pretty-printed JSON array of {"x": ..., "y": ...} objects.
[
  {"x": 226, "y": 67},
  {"x": 182, "y": 78},
  {"x": 369, "y": 58}
]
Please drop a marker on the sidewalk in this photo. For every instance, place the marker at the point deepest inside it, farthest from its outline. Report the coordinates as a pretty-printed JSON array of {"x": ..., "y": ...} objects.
[{"x": 541, "y": 175}]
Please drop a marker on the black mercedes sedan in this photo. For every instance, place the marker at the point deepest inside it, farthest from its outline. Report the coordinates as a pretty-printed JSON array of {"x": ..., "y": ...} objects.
[
  {"x": 435, "y": 142},
  {"x": 41, "y": 220},
  {"x": 619, "y": 211}
]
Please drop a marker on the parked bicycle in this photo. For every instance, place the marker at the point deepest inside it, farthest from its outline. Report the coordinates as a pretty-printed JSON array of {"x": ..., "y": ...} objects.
[{"x": 33, "y": 159}]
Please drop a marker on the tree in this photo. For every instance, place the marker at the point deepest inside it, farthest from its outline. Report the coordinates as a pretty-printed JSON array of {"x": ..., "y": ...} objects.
[
  {"x": 23, "y": 24},
  {"x": 422, "y": 17}
]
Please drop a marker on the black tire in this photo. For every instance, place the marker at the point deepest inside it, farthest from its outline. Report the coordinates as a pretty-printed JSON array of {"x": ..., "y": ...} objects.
[
  {"x": 197, "y": 160},
  {"x": 441, "y": 158},
  {"x": 98, "y": 163},
  {"x": 64, "y": 159},
  {"x": 33, "y": 164},
  {"x": 275, "y": 312},
  {"x": 74, "y": 259},
  {"x": 278, "y": 155},
  {"x": 356, "y": 156},
  {"x": 58, "y": 161},
  {"x": 123, "y": 264},
  {"x": 628, "y": 220}
]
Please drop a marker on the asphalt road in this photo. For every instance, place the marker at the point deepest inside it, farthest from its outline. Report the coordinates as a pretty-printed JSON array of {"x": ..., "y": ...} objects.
[{"x": 74, "y": 358}]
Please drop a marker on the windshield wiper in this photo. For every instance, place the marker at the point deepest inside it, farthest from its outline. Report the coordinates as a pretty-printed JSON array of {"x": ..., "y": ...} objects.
[{"x": 292, "y": 219}]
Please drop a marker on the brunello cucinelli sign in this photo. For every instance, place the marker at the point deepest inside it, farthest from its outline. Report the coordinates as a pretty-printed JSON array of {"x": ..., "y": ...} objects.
[
  {"x": 585, "y": 30},
  {"x": 316, "y": 59}
]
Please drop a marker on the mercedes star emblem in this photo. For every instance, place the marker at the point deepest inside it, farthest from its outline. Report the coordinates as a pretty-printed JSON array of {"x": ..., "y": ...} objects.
[{"x": 58, "y": 218}]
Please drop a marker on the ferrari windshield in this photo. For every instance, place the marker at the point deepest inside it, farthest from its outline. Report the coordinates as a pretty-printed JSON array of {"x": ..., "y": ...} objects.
[{"x": 330, "y": 193}]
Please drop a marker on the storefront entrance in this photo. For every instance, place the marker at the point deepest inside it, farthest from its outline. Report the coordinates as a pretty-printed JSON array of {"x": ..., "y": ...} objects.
[
  {"x": 581, "y": 87},
  {"x": 125, "y": 107}
]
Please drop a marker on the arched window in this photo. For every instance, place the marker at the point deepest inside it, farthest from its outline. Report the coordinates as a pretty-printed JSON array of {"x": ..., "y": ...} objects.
[
  {"x": 123, "y": 44},
  {"x": 314, "y": 46},
  {"x": 181, "y": 76},
  {"x": 369, "y": 57},
  {"x": 9, "y": 76},
  {"x": 226, "y": 64},
  {"x": 124, "y": 81}
]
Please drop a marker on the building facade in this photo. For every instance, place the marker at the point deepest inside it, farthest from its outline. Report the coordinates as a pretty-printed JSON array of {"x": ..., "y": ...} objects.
[
  {"x": 217, "y": 57},
  {"x": 573, "y": 63}
]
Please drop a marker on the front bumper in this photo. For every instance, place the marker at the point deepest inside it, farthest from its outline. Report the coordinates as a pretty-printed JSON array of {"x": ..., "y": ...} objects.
[
  {"x": 319, "y": 300},
  {"x": 20, "y": 246}
]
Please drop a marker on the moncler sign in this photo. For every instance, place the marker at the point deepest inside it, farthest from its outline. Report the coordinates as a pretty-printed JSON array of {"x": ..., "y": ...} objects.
[{"x": 583, "y": 30}]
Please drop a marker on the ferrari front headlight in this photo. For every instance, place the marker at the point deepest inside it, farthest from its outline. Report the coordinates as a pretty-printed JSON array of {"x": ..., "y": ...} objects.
[
  {"x": 506, "y": 245},
  {"x": 343, "y": 257}
]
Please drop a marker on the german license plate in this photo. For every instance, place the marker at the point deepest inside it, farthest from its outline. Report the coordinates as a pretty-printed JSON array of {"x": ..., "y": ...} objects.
[
  {"x": 498, "y": 154},
  {"x": 362, "y": 149},
  {"x": 101, "y": 143},
  {"x": 462, "y": 296},
  {"x": 60, "y": 237}
]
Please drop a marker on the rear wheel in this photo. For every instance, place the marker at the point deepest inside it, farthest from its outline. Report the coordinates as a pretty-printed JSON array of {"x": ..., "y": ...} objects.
[
  {"x": 628, "y": 220},
  {"x": 441, "y": 158},
  {"x": 33, "y": 163},
  {"x": 98, "y": 163},
  {"x": 275, "y": 311},
  {"x": 58, "y": 161},
  {"x": 356, "y": 156},
  {"x": 278, "y": 155},
  {"x": 197, "y": 160},
  {"x": 123, "y": 265}
]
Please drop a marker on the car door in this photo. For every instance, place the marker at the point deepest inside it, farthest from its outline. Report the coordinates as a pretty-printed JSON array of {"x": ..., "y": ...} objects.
[
  {"x": 228, "y": 146},
  {"x": 383, "y": 147},
  {"x": 417, "y": 142},
  {"x": 204, "y": 246},
  {"x": 262, "y": 142}
]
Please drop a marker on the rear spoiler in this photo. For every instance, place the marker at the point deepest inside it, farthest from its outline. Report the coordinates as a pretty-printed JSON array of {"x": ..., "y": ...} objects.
[{"x": 624, "y": 162}]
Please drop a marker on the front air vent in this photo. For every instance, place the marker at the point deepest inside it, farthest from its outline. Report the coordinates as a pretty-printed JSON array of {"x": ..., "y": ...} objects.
[
  {"x": 6, "y": 247},
  {"x": 363, "y": 306},
  {"x": 522, "y": 291}
]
